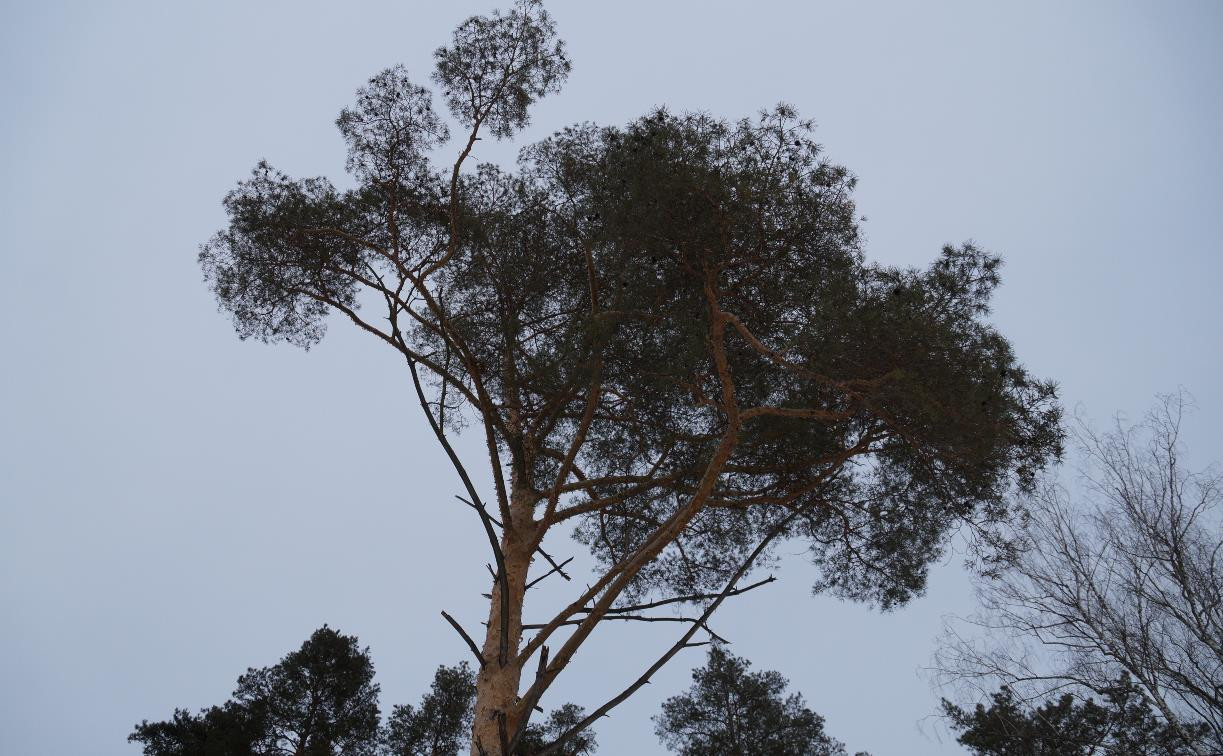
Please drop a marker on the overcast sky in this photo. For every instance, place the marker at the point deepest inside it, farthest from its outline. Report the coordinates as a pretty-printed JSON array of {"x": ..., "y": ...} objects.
[{"x": 176, "y": 505}]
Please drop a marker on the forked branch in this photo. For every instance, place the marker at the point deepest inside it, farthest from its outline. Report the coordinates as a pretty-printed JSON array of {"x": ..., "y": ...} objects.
[{"x": 679, "y": 645}]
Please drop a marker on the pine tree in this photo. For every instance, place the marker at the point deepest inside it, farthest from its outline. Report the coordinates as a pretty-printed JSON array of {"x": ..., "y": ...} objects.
[{"x": 666, "y": 334}]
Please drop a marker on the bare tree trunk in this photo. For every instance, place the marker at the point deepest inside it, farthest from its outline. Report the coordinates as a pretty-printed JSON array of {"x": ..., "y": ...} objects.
[{"x": 497, "y": 685}]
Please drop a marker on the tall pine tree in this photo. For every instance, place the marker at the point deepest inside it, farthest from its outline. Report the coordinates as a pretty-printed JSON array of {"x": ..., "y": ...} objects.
[{"x": 666, "y": 335}]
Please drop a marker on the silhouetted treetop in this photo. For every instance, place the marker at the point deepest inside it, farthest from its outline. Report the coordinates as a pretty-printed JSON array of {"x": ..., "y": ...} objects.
[
  {"x": 1122, "y": 723},
  {"x": 732, "y": 711},
  {"x": 441, "y": 724},
  {"x": 498, "y": 65},
  {"x": 229, "y": 730},
  {"x": 319, "y": 700},
  {"x": 592, "y": 264},
  {"x": 389, "y": 129},
  {"x": 667, "y": 334}
]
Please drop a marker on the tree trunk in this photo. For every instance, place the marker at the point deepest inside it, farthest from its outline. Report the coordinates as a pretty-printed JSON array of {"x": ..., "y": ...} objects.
[{"x": 496, "y": 685}]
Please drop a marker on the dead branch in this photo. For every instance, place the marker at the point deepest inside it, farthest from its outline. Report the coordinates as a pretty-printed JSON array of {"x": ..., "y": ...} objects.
[{"x": 470, "y": 643}]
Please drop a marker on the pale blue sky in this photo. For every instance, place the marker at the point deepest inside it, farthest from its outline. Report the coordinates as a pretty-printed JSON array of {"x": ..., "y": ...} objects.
[{"x": 176, "y": 505}]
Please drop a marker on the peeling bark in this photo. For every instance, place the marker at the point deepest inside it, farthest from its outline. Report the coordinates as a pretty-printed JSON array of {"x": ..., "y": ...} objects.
[{"x": 497, "y": 684}]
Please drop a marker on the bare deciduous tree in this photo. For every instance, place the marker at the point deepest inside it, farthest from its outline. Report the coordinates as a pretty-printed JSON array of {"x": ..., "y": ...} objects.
[{"x": 1127, "y": 580}]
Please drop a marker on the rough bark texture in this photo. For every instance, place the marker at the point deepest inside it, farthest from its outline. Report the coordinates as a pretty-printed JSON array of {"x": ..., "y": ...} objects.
[{"x": 498, "y": 682}]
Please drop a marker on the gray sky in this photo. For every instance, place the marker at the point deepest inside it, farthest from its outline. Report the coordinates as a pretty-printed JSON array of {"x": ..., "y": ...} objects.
[{"x": 176, "y": 505}]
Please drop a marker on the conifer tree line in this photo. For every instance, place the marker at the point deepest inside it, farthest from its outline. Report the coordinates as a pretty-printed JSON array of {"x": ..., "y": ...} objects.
[
  {"x": 321, "y": 700},
  {"x": 676, "y": 355}
]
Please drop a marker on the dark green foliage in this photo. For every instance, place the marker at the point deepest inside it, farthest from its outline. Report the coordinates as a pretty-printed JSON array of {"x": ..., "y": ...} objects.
[
  {"x": 317, "y": 701},
  {"x": 323, "y": 695},
  {"x": 667, "y": 332},
  {"x": 229, "y": 730},
  {"x": 894, "y": 364},
  {"x": 1123, "y": 724},
  {"x": 496, "y": 66},
  {"x": 894, "y": 367},
  {"x": 559, "y": 721},
  {"x": 441, "y": 725},
  {"x": 274, "y": 275},
  {"x": 390, "y": 128},
  {"x": 731, "y": 711},
  {"x": 321, "y": 701}
]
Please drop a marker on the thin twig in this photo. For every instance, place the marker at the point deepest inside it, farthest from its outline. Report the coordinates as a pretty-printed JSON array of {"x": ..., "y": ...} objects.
[
  {"x": 678, "y": 599},
  {"x": 638, "y": 618},
  {"x": 554, "y": 570}
]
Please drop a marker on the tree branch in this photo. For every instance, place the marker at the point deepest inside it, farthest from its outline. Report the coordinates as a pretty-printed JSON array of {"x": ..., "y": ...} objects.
[
  {"x": 484, "y": 516},
  {"x": 678, "y": 646},
  {"x": 555, "y": 567},
  {"x": 470, "y": 643}
]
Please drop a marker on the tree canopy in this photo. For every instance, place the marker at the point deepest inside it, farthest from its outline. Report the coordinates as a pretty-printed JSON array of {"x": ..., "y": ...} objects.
[
  {"x": 317, "y": 701},
  {"x": 1123, "y": 724},
  {"x": 731, "y": 711},
  {"x": 667, "y": 335},
  {"x": 321, "y": 701},
  {"x": 441, "y": 724}
]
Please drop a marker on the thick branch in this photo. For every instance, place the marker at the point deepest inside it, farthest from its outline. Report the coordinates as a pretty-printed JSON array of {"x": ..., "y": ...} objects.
[
  {"x": 678, "y": 646},
  {"x": 618, "y": 578}
]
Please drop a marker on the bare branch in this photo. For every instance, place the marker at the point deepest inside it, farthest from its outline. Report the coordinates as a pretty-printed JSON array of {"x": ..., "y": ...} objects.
[
  {"x": 503, "y": 654},
  {"x": 678, "y": 646},
  {"x": 554, "y": 570},
  {"x": 1125, "y": 580},
  {"x": 470, "y": 643}
]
